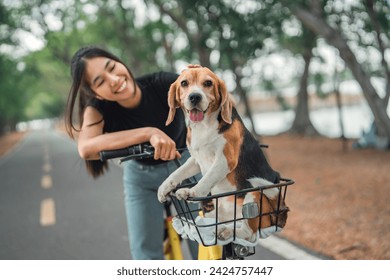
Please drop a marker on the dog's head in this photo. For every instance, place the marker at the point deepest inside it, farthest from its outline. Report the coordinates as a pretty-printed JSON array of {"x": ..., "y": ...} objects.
[{"x": 199, "y": 92}]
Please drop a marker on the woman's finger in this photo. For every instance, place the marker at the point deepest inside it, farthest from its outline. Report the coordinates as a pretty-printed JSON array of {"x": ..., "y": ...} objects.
[{"x": 157, "y": 151}]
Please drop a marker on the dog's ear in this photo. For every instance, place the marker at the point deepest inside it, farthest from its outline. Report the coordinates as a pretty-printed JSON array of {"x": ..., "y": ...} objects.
[
  {"x": 226, "y": 102},
  {"x": 173, "y": 102}
]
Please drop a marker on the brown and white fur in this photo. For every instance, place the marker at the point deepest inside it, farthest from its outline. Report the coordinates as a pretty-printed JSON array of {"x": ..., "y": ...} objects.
[{"x": 222, "y": 149}]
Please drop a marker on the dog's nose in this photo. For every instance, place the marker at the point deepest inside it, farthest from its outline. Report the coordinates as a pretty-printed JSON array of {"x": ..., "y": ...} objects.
[{"x": 195, "y": 98}]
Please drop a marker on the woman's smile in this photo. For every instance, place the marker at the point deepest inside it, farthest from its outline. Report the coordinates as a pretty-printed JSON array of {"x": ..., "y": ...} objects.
[{"x": 121, "y": 87}]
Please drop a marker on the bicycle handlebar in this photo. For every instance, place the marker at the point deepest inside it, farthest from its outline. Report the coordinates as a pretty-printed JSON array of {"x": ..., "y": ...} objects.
[{"x": 139, "y": 151}]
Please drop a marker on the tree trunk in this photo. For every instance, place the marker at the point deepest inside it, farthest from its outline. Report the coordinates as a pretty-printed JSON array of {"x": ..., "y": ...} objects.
[
  {"x": 236, "y": 66},
  {"x": 302, "y": 124},
  {"x": 195, "y": 40},
  {"x": 168, "y": 54},
  {"x": 334, "y": 38},
  {"x": 382, "y": 49},
  {"x": 242, "y": 93}
]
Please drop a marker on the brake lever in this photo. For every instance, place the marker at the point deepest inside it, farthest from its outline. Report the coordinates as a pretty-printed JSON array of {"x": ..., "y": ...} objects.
[
  {"x": 147, "y": 152},
  {"x": 138, "y": 156}
]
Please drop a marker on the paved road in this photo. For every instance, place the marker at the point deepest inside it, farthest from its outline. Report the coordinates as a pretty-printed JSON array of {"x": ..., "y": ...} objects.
[{"x": 51, "y": 209}]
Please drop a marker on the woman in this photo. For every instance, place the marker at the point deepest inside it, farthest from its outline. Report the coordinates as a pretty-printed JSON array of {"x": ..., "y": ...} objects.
[{"x": 116, "y": 110}]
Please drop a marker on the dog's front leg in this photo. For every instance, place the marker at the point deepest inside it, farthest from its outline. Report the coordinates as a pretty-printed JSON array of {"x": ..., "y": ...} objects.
[
  {"x": 188, "y": 169},
  {"x": 215, "y": 174}
]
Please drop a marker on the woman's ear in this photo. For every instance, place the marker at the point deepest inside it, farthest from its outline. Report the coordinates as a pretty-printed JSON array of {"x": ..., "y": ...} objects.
[{"x": 173, "y": 102}]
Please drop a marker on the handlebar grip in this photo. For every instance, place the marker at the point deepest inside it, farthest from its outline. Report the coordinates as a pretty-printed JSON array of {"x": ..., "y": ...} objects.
[
  {"x": 110, "y": 154},
  {"x": 139, "y": 151}
]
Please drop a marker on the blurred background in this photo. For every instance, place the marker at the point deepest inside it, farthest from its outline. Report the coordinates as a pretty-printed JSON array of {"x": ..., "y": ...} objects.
[
  {"x": 305, "y": 67},
  {"x": 322, "y": 65}
]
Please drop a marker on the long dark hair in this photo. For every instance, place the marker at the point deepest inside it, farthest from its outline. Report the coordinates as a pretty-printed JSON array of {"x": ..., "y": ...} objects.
[{"x": 81, "y": 93}]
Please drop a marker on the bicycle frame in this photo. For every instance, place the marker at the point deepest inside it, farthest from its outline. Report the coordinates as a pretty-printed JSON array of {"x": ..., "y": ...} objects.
[{"x": 172, "y": 246}]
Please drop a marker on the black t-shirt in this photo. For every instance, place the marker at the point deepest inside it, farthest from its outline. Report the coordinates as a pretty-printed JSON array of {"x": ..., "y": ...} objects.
[{"x": 151, "y": 112}]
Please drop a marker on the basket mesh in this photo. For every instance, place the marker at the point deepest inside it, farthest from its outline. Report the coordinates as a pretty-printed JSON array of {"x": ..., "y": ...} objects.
[{"x": 274, "y": 216}]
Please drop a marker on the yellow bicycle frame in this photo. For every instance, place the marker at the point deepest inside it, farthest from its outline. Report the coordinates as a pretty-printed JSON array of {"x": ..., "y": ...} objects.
[
  {"x": 210, "y": 252},
  {"x": 172, "y": 248}
]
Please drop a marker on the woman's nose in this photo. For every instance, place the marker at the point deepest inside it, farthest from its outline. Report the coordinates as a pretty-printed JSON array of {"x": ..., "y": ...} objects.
[{"x": 113, "y": 79}]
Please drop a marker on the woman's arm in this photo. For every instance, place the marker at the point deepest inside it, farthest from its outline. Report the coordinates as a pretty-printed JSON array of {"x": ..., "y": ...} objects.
[{"x": 92, "y": 140}]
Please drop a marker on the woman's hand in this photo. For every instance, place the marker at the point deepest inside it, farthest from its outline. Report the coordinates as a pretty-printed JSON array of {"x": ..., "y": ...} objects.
[{"x": 164, "y": 146}]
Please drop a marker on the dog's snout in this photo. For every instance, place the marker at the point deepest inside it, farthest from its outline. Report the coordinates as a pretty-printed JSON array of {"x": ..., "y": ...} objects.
[{"x": 195, "y": 98}]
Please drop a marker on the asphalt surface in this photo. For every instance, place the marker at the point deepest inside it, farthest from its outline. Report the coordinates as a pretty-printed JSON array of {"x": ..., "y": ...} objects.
[{"x": 51, "y": 209}]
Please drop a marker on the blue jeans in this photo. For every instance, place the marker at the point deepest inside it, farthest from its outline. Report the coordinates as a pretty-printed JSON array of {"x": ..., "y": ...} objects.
[{"x": 145, "y": 214}]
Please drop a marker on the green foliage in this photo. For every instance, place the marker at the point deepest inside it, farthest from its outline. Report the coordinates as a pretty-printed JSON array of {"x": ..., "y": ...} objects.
[
  {"x": 12, "y": 93},
  {"x": 49, "y": 85},
  {"x": 319, "y": 80},
  {"x": 44, "y": 105},
  {"x": 224, "y": 35}
]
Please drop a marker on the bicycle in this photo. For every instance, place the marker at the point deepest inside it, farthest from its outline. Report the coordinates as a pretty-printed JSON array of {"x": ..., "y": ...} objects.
[{"x": 186, "y": 221}]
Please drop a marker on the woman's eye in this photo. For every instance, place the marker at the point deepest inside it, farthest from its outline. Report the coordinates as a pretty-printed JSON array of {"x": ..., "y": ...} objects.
[
  {"x": 100, "y": 83},
  {"x": 112, "y": 67}
]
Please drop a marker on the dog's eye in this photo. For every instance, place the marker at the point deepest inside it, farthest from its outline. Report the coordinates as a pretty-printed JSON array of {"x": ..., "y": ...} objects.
[
  {"x": 208, "y": 83},
  {"x": 184, "y": 83}
]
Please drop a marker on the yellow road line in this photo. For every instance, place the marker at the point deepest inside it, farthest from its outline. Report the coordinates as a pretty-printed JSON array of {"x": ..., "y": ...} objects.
[
  {"x": 48, "y": 212},
  {"x": 46, "y": 182},
  {"x": 47, "y": 167}
]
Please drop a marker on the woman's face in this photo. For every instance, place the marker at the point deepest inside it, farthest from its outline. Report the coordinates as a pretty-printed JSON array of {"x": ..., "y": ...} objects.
[{"x": 109, "y": 79}]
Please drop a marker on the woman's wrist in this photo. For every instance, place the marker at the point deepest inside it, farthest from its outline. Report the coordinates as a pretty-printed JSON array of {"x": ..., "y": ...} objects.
[{"x": 152, "y": 131}]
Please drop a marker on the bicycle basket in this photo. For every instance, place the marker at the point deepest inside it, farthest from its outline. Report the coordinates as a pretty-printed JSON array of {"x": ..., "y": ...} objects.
[{"x": 193, "y": 219}]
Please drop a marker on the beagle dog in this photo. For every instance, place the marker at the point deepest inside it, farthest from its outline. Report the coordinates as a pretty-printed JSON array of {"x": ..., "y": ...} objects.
[{"x": 223, "y": 150}]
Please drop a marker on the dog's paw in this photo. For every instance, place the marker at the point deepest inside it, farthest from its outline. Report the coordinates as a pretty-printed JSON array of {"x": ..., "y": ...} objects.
[
  {"x": 165, "y": 189},
  {"x": 224, "y": 233},
  {"x": 183, "y": 194}
]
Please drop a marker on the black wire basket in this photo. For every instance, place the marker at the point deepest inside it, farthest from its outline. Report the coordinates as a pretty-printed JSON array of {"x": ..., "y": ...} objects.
[{"x": 188, "y": 210}]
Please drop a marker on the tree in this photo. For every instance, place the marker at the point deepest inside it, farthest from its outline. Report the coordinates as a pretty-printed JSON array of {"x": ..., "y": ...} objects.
[
  {"x": 379, "y": 22},
  {"x": 12, "y": 95},
  {"x": 301, "y": 44},
  {"x": 219, "y": 36},
  {"x": 302, "y": 124},
  {"x": 314, "y": 19}
]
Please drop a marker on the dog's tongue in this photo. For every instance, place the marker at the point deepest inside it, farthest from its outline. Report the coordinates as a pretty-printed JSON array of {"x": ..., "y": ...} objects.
[{"x": 196, "y": 115}]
